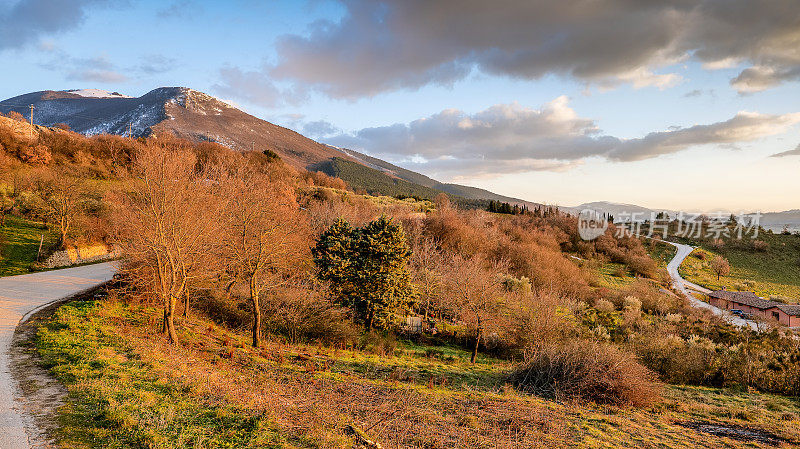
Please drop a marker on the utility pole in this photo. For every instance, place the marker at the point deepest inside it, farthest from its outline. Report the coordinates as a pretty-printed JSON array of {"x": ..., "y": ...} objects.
[
  {"x": 32, "y": 108},
  {"x": 130, "y": 130}
]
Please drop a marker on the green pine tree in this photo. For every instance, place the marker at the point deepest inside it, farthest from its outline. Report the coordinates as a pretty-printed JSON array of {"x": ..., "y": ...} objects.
[{"x": 367, "y": 269}]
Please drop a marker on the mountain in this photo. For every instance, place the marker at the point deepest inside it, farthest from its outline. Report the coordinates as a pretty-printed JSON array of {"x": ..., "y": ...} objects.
[
  {"x": 196, "y": 116},
  {"x": 183, "y": 112},
  {"x": 620, "y": 211},
  {"x": 775, "y": 221}
]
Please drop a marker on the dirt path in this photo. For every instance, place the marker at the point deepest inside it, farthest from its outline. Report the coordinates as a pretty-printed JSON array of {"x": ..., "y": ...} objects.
[
  {"x": 683, "y": 286},
  {"x": 20, "y": 297}
]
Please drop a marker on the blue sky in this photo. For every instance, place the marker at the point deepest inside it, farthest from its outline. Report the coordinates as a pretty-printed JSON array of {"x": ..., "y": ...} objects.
[{"x": 554, "y": 102}]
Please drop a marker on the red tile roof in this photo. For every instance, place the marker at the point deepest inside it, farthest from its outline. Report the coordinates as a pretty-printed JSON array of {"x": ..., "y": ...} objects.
[
  {"x": 790, "y": 309},
  {"x": 746, "y": 298}
]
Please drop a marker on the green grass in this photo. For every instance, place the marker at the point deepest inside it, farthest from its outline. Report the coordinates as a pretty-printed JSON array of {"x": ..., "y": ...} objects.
[
  {"x": 749, "y": 272},
  {"x": 774, "y": 271},
  {"x": 661, "y": 253},
  {"x": 117, "y": 400},
  {"x": 379, "y": 183},
  {"x": 614, "y": 275},
  {"x": 20, "y": 245},
  {"x": 426, "y": 365}
]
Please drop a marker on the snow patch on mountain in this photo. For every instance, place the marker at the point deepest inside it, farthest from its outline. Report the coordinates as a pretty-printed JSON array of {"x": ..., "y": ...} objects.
[{"x": 96, "y": 93}]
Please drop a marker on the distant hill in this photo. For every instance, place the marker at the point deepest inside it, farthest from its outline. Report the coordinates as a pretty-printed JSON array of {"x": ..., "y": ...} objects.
[
  {"x": 378, "y": 182},
  {"x": 196, "y": 116},
  {"x": 775, "y": 221},
  {"x": 417, "y": 178},
  {"x": 619, "y": 210}
]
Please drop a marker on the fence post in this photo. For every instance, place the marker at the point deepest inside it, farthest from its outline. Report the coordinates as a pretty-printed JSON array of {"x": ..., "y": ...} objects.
[{"x": 39, "y": 253}]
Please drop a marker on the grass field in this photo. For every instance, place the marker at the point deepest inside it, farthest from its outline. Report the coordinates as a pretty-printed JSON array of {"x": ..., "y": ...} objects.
[
  {"x": 661, "y": 252},
  {"x": 128, "y": 388},
  {"x": 614, "y": 275},
  {"x": 20, "y": 245},
  {"x": 766, "y": 274},
  {"x": 617, "y": 275}
]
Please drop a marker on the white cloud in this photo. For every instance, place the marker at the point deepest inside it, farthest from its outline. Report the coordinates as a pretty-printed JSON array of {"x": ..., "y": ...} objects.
[
  {"x": 507, "y": 138},
  {"x": 795, "y": 152}
]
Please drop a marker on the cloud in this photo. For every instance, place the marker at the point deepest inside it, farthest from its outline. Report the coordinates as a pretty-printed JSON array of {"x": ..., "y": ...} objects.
[
  {"x": 155, "y": 64},
  {"x": 319, "y": 129},
  {"x": 387, "y": 45},
  {"x": 97, "y": 69},
  {"x": 97, "y": 76},
  {"x": 254, "y": 87},
  {"x": 760, "y": 78},
  {"x": 795, "y": 152},
  {"x": 180, "y": 9},
  {"x": 508, "y": 138},
  {"x": 26, "y": 21},
  {"x": 743, "y": 127}
]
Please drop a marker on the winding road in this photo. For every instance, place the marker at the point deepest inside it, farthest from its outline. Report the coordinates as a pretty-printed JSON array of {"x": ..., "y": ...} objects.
[
  {"x": 685, "y": 286},
  {"x": 20, "y": 297}
]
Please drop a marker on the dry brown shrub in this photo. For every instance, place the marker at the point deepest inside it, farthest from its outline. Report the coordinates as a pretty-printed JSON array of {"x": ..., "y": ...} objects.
[
  {"x": 642, "y": 265},
  {"x": 14, "y": 115},
  {"x": 587, "y": 371},
  {"x": 760, "y": 246},
  {"x": 653, "y": 300},
  {"x": 302, "y": 314},
  {"x": 38, "y": 155}
]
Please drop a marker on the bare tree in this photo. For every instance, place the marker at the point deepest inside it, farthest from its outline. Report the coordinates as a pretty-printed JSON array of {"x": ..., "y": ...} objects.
[
  {"x": 427, "y": 260},
  {"x": 9, "y": 196},
  {"x": 61, "y": 196},
  {"x": 720, "y": 266},
  {"x": 168, "y": 223},
  {"x": 266, "y": 237},
  {"x": 475, "y": 294}
]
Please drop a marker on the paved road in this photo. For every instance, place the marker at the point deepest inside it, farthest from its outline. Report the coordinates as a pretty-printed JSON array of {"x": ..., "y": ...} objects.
[
  {"x": 20, "y": 297},
  {"x": 683, "y": 286}
]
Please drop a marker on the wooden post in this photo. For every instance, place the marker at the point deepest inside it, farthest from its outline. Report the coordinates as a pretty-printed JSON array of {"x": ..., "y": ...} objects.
[{"x": 39, "y": 253}]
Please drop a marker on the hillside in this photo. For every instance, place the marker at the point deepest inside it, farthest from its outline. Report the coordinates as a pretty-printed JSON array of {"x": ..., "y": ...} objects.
[
  {"x": 377, "y": 182},
  {"x": 420, "y": 179},
  {"x": 196, "y": 116}
]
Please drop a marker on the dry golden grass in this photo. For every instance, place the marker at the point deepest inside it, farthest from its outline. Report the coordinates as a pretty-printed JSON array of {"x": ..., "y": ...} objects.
[
  {"x": 300, "y": 393},
  {"x": 312, "y": 394}
]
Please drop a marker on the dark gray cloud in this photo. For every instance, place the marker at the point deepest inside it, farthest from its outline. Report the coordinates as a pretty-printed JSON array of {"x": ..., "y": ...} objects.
[
  {"x": 795, "y": 152},
  {"x": 509, "y": 138},
  {"x": 26, "y": 21},
  {"x": 386, "y": 45}
]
